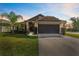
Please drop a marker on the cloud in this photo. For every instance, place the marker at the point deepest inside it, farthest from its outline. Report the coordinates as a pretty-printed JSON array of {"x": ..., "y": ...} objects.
[
  {"x": 68, "y": 9},
  {"x": 68, "y": 5},
  {"x": 26, "y": 17}
]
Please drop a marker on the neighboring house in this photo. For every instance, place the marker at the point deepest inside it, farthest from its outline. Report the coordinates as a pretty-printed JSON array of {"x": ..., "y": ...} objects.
[
  {"x": 4, "y": 24},
  {"x": 41, "y": 24}
]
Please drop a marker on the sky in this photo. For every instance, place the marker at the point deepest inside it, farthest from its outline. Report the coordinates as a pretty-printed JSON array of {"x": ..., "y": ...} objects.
[{"x": 63, "y": 11}]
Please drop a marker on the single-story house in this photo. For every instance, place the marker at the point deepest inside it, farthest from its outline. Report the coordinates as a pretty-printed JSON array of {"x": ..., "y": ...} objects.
[{"x": 41, "y": 24}]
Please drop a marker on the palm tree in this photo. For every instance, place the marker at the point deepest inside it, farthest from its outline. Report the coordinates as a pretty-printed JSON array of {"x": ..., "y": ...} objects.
[
  {"x": 75, "y": 21},
  {"x": 13, "y": 18}
]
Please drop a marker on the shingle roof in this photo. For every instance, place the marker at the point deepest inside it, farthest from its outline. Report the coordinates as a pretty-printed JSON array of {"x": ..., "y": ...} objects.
[
  {"x": 44, "y": 18},
  {"x": 35, "y": 17},
  {"x": 49, "y": 18}
]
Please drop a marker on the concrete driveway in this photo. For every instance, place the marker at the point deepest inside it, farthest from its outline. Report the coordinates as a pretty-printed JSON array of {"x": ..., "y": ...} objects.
[{"x": 67, "y": 46}]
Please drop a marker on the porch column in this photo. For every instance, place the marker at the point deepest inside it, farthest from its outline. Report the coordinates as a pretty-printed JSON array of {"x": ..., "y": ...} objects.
[
  {"x": 27, "y": 23},
  {"x": 60, "y": 29},
  {"x": 36, "y": 26}
]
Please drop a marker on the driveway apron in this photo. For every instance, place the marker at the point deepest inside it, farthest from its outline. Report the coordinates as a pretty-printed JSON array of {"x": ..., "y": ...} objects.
[{"x": 66, "y": 46}]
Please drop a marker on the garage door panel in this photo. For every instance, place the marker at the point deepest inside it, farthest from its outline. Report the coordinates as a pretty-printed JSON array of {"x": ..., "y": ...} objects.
[{"x": 49, "y": 29}]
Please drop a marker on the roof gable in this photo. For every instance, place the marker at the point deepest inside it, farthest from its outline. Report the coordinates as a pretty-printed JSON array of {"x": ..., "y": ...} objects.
[{"x": 35, "y": 18}]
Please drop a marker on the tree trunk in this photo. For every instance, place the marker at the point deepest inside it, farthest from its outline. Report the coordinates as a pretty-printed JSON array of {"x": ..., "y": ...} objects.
[
  {"x": 12, "y": 29},
  {"x": 25, "y": 28},
  {"x": 17, "y": 29}
]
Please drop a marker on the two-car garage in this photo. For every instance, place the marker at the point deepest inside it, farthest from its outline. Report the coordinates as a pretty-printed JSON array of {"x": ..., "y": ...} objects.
[
  {"x": 48, "y": 28},
  {"x": 49, "y": 25}
]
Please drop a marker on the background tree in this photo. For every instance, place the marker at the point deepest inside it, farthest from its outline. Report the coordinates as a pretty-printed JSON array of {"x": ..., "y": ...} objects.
[
  {"x": 75, "y": 21},
  {"x": 13, "y": 18}
]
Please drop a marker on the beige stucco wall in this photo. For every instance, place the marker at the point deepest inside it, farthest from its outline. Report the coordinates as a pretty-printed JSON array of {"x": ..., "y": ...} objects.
[{"x": 48, "y": 22}]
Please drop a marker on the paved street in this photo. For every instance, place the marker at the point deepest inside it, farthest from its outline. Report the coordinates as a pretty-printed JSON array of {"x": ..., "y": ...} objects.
[{"x": 67, "y": 46}]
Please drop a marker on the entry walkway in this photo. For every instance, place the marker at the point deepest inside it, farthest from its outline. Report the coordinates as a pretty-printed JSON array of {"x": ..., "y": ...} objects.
[{"x": 67, "y": 46}]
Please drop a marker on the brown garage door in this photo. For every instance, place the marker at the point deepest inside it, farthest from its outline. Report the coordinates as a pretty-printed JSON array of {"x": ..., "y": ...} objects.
[{"x": 48, "y": 29}]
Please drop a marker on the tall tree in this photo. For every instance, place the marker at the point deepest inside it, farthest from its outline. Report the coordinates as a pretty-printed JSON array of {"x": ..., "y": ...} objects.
[
  {"x": 75, "y": 21},
  {"x": 13, "y": 18}
]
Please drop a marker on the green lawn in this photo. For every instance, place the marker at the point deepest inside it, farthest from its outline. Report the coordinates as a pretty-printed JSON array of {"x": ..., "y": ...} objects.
[
  {"x": 18, "y": 45},
  {"x": 72, "y": 35}
]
